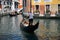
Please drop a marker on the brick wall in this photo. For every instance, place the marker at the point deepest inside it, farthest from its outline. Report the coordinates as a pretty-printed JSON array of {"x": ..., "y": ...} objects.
[
  {"x": 27, "y": 8},
  {"x": 0, "y": 6}
]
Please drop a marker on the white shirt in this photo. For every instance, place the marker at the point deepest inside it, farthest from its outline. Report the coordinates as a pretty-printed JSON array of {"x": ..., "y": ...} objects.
[{"x": 30, "y": 15}]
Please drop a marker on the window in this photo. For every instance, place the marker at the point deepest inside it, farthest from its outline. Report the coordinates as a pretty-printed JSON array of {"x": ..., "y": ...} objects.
[
  {"x": 0, "y": 2},
  {"x": 47, "y": 8},
  {"x": 4, "y": 3},
  {"x": 9, "y": 2},
  {"x": 24, "y": 3},
  {"x": 37, "y": 7},
  {"x": 16, "y": 4},
  {"x": 59, "y": 8},
  {"x": 37, "y": 0},
  {"x": 47, "y": 0}
]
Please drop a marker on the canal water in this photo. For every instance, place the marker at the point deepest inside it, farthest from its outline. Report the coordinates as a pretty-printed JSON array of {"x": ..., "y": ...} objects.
[{"x": 49, "y": 29}]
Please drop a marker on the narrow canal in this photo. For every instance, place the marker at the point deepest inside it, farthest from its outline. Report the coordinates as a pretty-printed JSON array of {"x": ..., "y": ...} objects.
[{"x": 49, "y": 29}]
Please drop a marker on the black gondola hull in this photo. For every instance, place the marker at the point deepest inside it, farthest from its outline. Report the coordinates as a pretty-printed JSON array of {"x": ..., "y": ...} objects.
[{"x": 29, "y": 29}]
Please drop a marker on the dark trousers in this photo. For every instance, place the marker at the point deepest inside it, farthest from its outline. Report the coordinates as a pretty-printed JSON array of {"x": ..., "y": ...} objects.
[{"x": 30, "y": 21}]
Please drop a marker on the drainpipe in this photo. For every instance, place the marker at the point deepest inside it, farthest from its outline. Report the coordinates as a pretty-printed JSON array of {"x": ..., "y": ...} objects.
[{"x": 30, "y": 5}]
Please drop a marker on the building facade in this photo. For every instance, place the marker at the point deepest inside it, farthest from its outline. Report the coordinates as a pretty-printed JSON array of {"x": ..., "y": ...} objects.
[
  {"x": 0, "y": 5},
  {"x": 26, "y": 5},
  {"x": 13, "y": 5},
  {"x": 5, "y": 5},
  {"x": 51, "y": 7},
  {"x": 20, "y": 5},
  {"x": 45, "y": 6}
]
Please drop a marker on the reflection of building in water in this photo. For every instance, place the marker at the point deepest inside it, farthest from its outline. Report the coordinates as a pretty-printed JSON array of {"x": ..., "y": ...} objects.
[
  {"x": 58, "y": 26},
  {"x": 51, "y": 7},
  {"x": 48, "y": 28},
  {"x": 53, "y": 28},
  {"x": 42, "y": 29}
]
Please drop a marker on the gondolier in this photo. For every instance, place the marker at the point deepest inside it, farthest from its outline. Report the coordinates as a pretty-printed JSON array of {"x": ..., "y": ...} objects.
[{"x": 30, "y": 18}]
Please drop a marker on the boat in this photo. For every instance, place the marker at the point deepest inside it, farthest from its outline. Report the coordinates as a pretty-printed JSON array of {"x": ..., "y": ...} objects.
[
  {"x": 12, "y": 14},
  {"x": 29, "y": 28}
]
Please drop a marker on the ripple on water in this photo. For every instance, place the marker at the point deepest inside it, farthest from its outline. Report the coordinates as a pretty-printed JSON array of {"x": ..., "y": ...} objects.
[{"x": 11, "y": 37}]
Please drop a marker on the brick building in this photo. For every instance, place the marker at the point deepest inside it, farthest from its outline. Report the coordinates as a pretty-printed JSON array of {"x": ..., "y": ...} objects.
[
  {"x": 26, "y": 5},
  {"x": 0, "y": 5},
  {"x": 51, "y": 7},
  {"x": 20, "y": 5}
]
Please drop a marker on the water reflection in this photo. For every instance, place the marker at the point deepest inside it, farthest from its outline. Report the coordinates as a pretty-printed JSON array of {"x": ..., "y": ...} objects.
[
  {"x": 4, "y": 25},
  {"x": 29, "y": 36},
  {"x": 49, "y": 29}
]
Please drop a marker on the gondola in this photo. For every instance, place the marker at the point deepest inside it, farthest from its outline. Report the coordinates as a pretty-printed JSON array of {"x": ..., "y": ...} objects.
[
  {"x": 13, "y": 14},
  {"x": 29, "y": 28}
]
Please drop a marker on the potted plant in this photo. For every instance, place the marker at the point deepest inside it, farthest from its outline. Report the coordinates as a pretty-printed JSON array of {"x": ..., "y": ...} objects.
[{"x": 47, "y": 11}]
